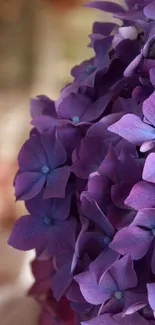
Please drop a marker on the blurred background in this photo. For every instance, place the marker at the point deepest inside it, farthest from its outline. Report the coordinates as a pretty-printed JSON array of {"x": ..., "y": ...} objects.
[{"x": 40, "y": 40}]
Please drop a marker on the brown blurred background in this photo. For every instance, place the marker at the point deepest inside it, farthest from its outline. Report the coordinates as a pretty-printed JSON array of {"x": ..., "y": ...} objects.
[{"x": 40, "y": 40}]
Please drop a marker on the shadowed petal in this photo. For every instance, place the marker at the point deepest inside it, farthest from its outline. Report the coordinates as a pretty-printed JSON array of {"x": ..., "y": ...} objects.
[
  {"x": 58, "y": 239},
  {"x": 98, "y": 268},
  {"x": 149, "y": 168},
  {"x": 103, "y": 28},
  {"x": 55, "y": 151},
  {"x": 129, "y": 71},
  {"x": 106, "y": 319},
  {"x": 149, "y": 108},
  {"x": 153, "y": 260},
  {"x": 56, "y": 183},
  {"x": 32, "y": 155},
  {"x": 44, "y": 123},
  {"x": 134, "y": 301},
  {"x": 132, "y": 240},
  {"x": 92, "y": 211},
  {"x": 145, "y": 218},
  {"x": 27, "y": 233},
  {"x": 74, "y": 105},
  {"x": 152, "y": 76},
  {"x": 124, "y": 274},
  {"x": 134, "y": 319},
  {"x": 28, "y": 185},
  {"x": 141, "y": 196},
  {"x": 61, "y": 280},
  {"x": 149, "y": 10},
  {"x": 42, "y": 105},
  {"x": 151, "y": 294}
]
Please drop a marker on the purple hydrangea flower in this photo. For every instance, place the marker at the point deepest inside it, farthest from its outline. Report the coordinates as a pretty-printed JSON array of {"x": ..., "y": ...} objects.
[
  {"x": 46, "y": 227},
  {"x": 41, "y": 162},
  {"x": 114, "y": 289}
]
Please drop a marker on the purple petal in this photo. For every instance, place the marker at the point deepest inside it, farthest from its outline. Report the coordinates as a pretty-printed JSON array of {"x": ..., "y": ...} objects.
[
  {"x": 134, "y": 301},
  {"x": 153, "y": 260},
  {"x": 27, "y": 233},
  {"x": 74, "y": 105},
  {"x": 129, "y": 71},
  {"x": 97, "y": 108},
  {"x": 120, "y": 218},
  {"x": 58, "y": 239},
  {"x": 74, "y": 293},
  {"x": 132, "y": 240},
  {"x": 92, "y": 152},
  {"x": 56, "y": 183},
  {"x": 128, "y": 163},
  {"x": 124, "y": 274},
  {"x": 70, "y": 137},
  {"x": 28, "y": 185},
  {"x": 78, "y": 252},
  {"x": 103, "y": 28},
  {"x": 146, "y": 65},
  {"x": 112, "y": 306},
  {"x": 149, "y": 171},
  {"x": 141, "y": 93},
  {"x": 108, "y": 166},
  {"x": 98, "y": 268},
  {"x": 44, "y": 123},
  {"x": 149, "y": 10},
  {"x": 42, "y": 105},
  {"x": 131, "y": 128},
  {"x": 61, "y": 280},
  {"x": 149, "y": 108},
  {"x": 147, "y": 145},
  {"x": 152, "y": 76},
  {"x": 92, "y": 291},
  {"x": 119, "y": 193},
  {"x": 61, "y": 208},
  {"x": 105, "y": 6},
  {"x": 133, "y": 15},
  {"x": 55, "y": 151},
  {"x": 32, "y": 155},
  {"x": 99, "y": 189},
  {"x": 145, "y": 218},
  {"x": 151, "y": 294},
  {"x": 99, "y": 130},
  {"x": 134, "y": 319},
  {"x": 92, "y": 211},
  {"x": 105, "y": 319},
  {"x": 141, "y": 196}
]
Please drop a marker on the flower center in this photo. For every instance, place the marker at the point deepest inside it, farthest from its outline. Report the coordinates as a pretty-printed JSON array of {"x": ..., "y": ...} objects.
[
  {"x": 153, "y": 232},
  {"x": 75, "y": 119},
  {"x": 118, "y": 295},
  {"x": 90, "y": 68},
  {"x": 45, "y": 169},
  {"x": 47, "y": 221},
  {"x": 107, "y": 240}
]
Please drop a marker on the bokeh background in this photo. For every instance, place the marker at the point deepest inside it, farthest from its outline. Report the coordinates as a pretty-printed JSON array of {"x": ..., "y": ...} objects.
[{"x": 40, "y": 40}]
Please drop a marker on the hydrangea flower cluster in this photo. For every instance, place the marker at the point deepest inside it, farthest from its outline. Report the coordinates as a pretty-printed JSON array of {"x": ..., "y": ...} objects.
[{"x": 87, "y": 176}]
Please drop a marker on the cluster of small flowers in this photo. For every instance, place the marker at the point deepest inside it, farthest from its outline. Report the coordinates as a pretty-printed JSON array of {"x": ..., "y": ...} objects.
[{"x": 87, "y": 176}]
